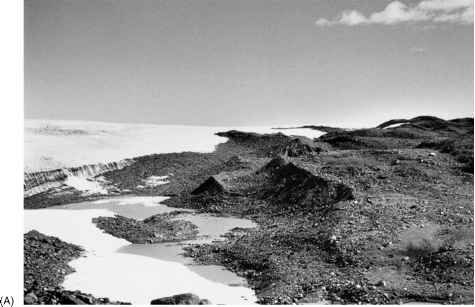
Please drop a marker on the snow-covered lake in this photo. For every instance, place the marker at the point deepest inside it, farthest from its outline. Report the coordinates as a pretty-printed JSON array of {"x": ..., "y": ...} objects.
[{"x": 138, "y": 273}]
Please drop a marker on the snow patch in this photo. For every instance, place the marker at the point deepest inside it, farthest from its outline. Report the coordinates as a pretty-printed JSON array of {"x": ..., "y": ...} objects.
[
  {"x": 87, "y": 185},
  {"x": 154, "y": 181},
  {"x": 307, "y": 132},
  {"x": 147, "y": 201},
  {"x": 394, "y": 125}
]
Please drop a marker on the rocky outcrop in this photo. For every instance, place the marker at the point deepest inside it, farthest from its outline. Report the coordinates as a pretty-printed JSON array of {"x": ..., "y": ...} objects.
[
  {"x": 274, "y": 165},
  {"x": 212, "y": 186},
  {"x": 180, "y": 299},
  {"x": 236, "y": 162},
  {"x": 259, "y": 144},
  {"x": 155, "y": 229},
  {"x": 252, "y": 137},
  {"x": 272, "y": 144},
  {"x": 59, "y": 296},
  {"x": 46, "y": 259},
  {"x": 45, "y": 266},
  {"x": 294, "y": 186},
  {"x": 280, "y": 184},
  {"x": 299, "y": 147}
]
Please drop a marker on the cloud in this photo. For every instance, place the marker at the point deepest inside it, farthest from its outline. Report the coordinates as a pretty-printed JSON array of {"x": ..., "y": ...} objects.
[
  {"x": 397, "y": 12},
  {"x": 418, "y": 51},
  {"x": 445, "y": 5}
]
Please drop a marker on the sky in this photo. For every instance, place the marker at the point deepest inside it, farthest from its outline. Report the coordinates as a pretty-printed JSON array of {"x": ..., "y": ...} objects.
[{"x": 249, "y": 62}]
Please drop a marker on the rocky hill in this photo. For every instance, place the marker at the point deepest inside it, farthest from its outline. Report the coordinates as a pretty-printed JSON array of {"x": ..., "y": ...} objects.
[{"x": 454, "y": 137}]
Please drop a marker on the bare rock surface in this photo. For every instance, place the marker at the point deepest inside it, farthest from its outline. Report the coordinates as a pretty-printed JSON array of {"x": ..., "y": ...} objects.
[
  {"x": 155, "y": 229},
  {"x": 180, "y": 299}
]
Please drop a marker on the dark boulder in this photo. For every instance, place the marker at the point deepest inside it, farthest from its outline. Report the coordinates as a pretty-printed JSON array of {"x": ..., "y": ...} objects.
[
  {"x": 70, "y": 299},
  {"x": 212, "y": 186},
  {"x": 181, "y": 299}
]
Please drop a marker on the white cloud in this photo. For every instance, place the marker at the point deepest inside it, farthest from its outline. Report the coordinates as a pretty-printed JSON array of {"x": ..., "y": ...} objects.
[
  {"x": 464, "y": 16},
  {"x": 322, "y": 22},
  {"x": 396, "y": 12},
  {"x": 418, "y": 51},
  {"x": 445, "y": 5},
  {"x": 352, "y": 18}
]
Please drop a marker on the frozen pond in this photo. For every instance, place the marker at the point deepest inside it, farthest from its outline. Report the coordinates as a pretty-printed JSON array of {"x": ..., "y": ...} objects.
[{"x": 138, "y": 273}]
